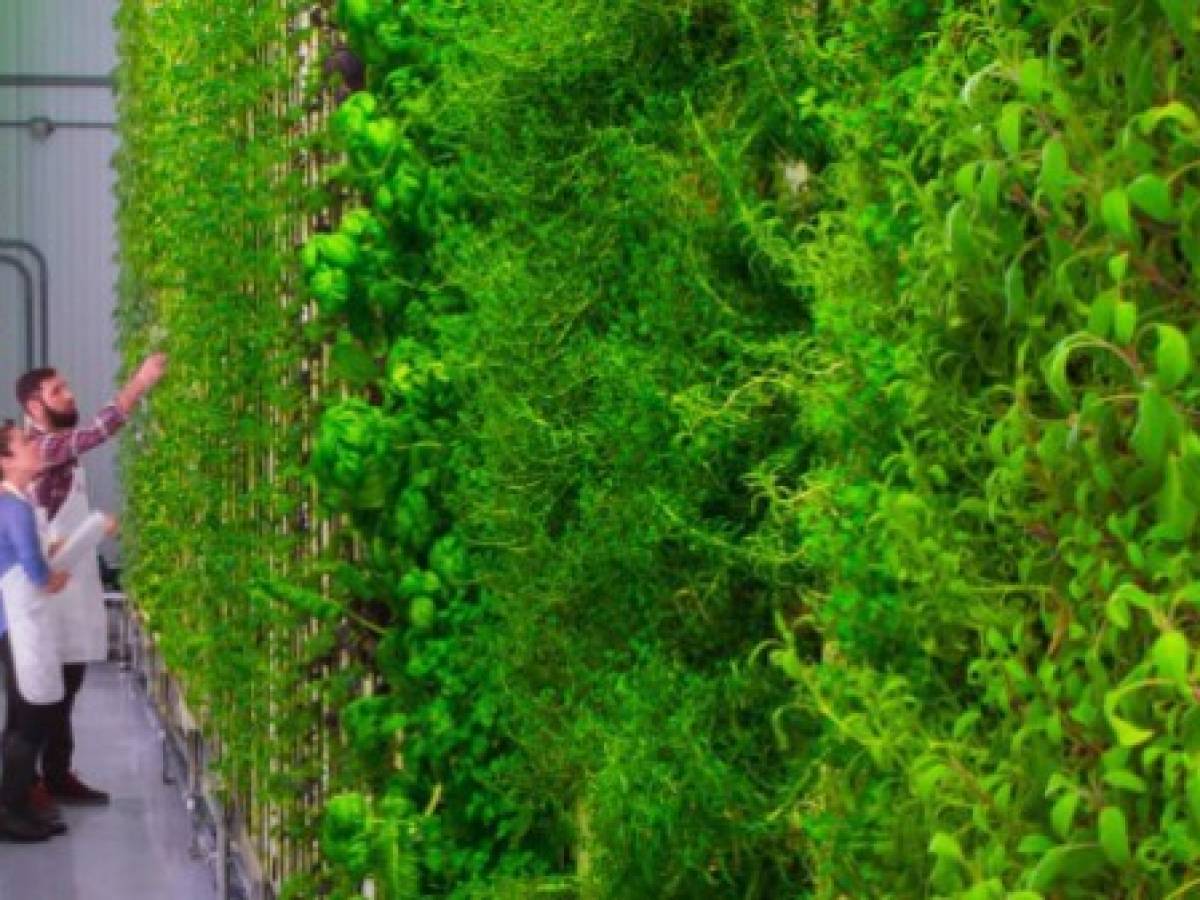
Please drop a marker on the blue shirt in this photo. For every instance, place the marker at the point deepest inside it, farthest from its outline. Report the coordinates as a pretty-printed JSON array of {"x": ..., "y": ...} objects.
[{"x": 19, "y": 544}]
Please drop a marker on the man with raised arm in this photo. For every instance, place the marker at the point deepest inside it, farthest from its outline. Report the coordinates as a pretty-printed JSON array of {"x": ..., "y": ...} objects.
[{"x": 61, "y": 492}]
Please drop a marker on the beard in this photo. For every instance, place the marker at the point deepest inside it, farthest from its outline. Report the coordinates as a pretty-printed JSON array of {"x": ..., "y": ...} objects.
[{"x": 62, "y": 420}]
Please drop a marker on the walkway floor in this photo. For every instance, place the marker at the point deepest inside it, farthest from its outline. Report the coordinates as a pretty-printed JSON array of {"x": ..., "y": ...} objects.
[{"x": 135, "y": 849}]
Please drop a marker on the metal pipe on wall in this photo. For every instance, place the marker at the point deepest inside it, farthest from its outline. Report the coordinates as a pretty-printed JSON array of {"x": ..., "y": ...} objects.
[
  {"x": 43, "y": 291},
  {"x": 27, "y": 280},
  {"x": 56, "y": 80},
  {"x": 52, "y": 124}
]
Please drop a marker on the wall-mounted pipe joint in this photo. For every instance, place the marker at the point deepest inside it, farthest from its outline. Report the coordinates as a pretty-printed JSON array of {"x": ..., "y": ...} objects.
[{"x": 41, "y": 127}]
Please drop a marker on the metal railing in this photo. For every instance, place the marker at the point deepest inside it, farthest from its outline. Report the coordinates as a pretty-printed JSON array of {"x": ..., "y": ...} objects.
[{"x": 219, "y": 833}]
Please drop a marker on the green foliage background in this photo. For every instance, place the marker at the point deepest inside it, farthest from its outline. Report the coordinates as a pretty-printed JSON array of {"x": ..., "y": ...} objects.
[
  {"x": 755, "y": 444},
  {"x": 206, "y": 209}
]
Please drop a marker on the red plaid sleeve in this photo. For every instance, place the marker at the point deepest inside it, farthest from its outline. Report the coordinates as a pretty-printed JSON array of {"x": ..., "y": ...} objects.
[{"x": 62, "y": 447}]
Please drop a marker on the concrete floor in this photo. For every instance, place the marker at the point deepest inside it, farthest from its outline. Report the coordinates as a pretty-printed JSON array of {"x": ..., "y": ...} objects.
[{"x": 138, "y": 848}]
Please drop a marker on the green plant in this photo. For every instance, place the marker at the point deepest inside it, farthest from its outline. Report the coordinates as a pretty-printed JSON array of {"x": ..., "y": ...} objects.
[{"x": 753, "y": 444}]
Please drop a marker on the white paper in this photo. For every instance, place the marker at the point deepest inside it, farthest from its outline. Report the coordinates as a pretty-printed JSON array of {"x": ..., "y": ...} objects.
[{"x": 83, "y": 541}]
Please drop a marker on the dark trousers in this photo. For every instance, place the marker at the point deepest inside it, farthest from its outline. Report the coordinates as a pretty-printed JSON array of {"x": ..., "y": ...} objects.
[
  {"x": 60, "y": 736},
  {"x": 26, "y": 730},
  {"x": 12, "y": 699}
]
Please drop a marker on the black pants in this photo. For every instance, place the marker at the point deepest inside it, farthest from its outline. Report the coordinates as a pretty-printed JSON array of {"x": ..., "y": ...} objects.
[
  {"x": 12, "y": 699},
  {"x": 60, "y": 736},
  {"x": 26, "y": 730}
]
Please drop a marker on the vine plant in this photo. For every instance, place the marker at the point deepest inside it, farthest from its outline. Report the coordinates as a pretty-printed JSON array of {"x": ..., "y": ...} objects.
[{"x": 757, "y": 441}]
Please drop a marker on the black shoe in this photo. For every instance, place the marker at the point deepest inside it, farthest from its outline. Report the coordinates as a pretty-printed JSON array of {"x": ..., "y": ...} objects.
[
  {"x": 41, "y": 804},
  {"x": 51, "y": 819},
  {"x": 73, "y": 791},
  {"x": 56, "y": 827},
  {"x": 22, "y": 827}
]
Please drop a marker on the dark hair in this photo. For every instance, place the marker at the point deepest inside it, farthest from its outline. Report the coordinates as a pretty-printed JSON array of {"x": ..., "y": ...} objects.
[
  {"x": 31, "y": 382},
  {"x": 7, "y": 429}
]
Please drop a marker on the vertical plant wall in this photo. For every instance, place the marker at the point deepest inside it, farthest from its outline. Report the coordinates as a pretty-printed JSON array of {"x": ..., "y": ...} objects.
[
  {"x": 212, "y": 207},
  {"x": 714, "y": 449}
]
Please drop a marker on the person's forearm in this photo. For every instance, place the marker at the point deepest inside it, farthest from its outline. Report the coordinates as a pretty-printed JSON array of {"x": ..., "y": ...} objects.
[
  {"x": 147, "y": 375},
  {"x": 133, "y": 391}
]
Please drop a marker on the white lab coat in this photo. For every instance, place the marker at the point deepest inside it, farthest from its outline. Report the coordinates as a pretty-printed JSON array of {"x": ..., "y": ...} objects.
[
  {"x": 80, "y": 621},
  {"x": 32, "y": 634}
]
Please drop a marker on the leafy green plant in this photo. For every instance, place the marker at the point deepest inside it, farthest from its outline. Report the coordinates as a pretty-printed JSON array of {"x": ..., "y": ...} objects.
[{"x": 754, "y": 444}]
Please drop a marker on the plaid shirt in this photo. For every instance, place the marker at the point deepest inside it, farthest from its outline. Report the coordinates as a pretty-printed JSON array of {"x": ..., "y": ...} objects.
[{"x": 60, "y": 451}]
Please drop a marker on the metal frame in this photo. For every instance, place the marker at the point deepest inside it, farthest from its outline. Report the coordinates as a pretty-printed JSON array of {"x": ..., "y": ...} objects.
[{"x": 218, "y": 830}]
